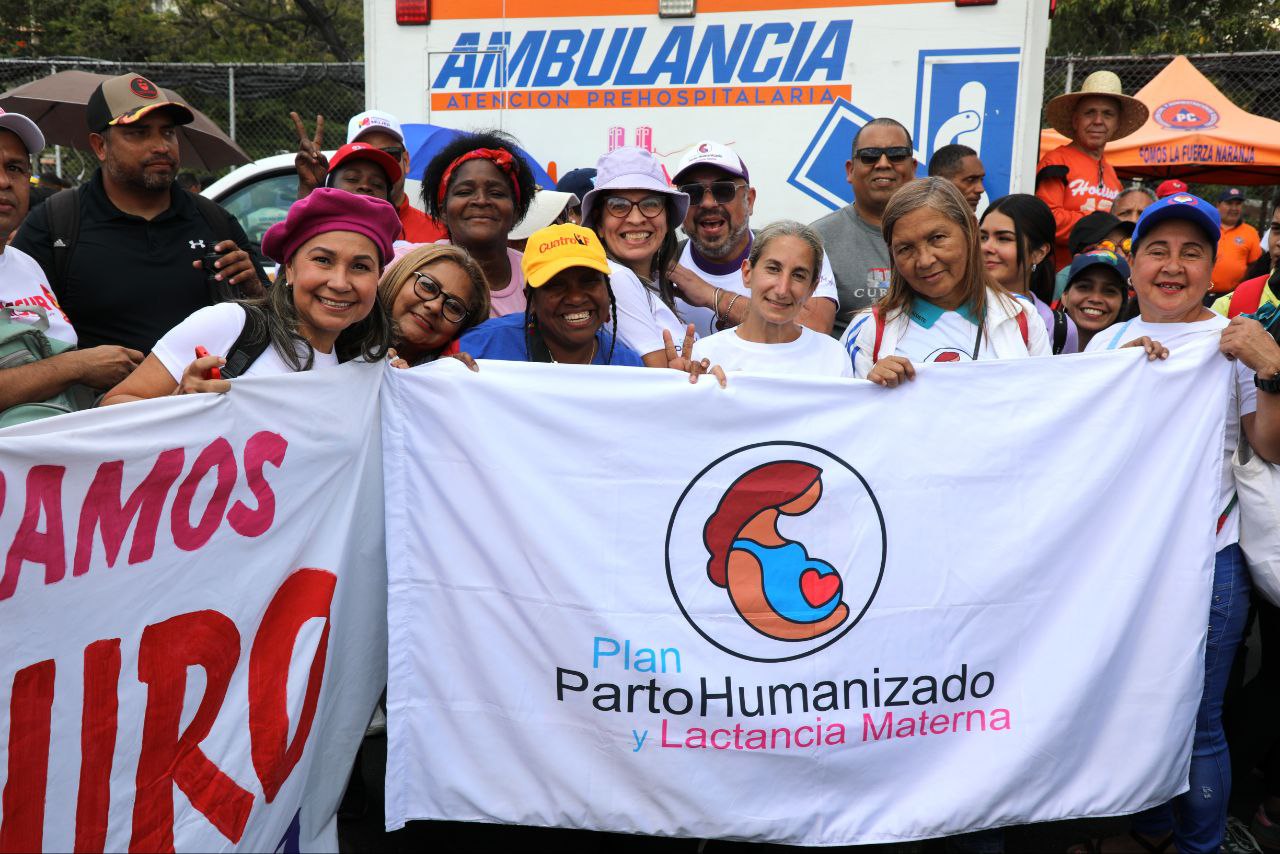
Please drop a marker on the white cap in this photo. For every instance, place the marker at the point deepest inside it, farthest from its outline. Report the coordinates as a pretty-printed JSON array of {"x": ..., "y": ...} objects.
[
  {"x": 543, "y": 210},
  {"x": 362, "y": 123},
  {"x": 710, "y": 153},
  {"x": 26, "y": 130}
]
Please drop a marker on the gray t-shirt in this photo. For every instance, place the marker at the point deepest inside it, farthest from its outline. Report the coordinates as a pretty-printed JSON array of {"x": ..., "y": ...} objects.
[{"x": 860, "y": 261}]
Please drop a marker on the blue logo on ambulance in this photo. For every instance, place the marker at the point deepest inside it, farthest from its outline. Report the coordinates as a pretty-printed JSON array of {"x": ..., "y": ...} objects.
[{"x": 970, "y": 97}]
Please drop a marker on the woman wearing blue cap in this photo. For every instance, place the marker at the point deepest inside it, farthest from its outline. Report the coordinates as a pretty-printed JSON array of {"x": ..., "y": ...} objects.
[
  {"x": 1096, "y": 293},
  {"x": 1174, "y": 247}
]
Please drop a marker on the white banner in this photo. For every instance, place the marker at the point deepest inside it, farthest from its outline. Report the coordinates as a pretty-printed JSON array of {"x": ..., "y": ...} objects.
[
  {"x": 191, "y": 617},
  {"x": 809, "y": 612}
]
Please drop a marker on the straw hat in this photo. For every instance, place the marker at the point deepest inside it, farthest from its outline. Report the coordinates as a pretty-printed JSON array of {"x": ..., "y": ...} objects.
[{"x": 1133, "y": 113}]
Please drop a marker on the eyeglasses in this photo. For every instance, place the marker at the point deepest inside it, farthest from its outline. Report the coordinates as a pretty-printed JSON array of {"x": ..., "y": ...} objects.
[
  {"x": 395, "y": 151},
  {"x": 427, "y": 289},
  {"x": 722, "y": 191},
  {"x": 871, "y": 156},
  {"x": 620, "y": 206}
]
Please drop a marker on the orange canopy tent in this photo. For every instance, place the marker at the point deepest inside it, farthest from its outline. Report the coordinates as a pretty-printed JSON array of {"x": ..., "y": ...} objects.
[{"x": 1194, "y": 133}]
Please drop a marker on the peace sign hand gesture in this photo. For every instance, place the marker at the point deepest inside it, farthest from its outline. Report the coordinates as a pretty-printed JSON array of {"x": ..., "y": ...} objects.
[
  {"x": 685, "y": 361},
  {"x": 311, "y": 163}
]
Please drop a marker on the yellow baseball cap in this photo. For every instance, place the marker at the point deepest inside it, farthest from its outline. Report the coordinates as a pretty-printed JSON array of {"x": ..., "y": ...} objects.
[{"x": 559, "y": 247}]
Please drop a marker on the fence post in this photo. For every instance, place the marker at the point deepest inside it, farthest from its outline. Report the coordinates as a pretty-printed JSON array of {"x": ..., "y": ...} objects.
[
  {"x": 231, "y": 100},
  {"x": 1071, "y": 68},
  {"x": 57, "y": 149}
]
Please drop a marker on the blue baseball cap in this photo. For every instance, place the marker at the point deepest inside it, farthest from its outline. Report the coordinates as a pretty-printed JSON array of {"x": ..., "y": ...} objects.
[
  {"x": 1180, "y": 206},
  {"x": 1098, "y": 258}
]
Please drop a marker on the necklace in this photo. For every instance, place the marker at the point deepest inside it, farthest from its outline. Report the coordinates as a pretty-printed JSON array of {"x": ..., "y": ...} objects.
[{"x": 595, "y": 345}]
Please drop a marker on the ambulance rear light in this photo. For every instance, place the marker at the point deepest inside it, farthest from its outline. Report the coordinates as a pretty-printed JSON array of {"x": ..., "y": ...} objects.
[
  {"x": 676, "y": 8},
  {"x": 410, "y": 12},
  {"x": 975, "y": 2}
]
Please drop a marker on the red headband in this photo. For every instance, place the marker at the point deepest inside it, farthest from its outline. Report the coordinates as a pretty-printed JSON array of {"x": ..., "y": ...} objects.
[{"x": 497, "y": 156}]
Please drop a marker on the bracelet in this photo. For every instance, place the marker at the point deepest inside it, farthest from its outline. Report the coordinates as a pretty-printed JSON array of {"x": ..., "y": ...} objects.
[
  {"x": 728, "y": 309},
  {"x": 715, "y": 300}
]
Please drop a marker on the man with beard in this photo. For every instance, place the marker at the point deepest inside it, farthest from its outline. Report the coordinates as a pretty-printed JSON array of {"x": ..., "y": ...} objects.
[
  {"x": 123, "y": 252},
  {"x": 708, "y": 276}
]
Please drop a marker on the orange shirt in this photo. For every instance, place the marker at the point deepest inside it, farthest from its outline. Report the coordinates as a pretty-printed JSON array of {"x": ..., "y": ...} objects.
[
  {"x": 1090, "y": 185},
  {"x": 1237, "y": 249},
  {"x": 417, "y": 227}
]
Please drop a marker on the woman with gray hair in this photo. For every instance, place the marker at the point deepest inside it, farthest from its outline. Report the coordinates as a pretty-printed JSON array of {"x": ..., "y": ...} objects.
[
  {"x": 942, "y": 305},
  {"x": 781, "y": 273}
]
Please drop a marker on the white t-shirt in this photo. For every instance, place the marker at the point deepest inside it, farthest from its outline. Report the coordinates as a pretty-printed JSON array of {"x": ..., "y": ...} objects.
[
  {"x": 949, "y": 338},
  {"x": 1244, "y": 396},
  {"x": 810, "y": 355},
  {"x": 216, "y": 328},
  {"x": 23, "y": 282},
  {"x": 641, "y": 314},
  {"x": 704, "y": 318}
]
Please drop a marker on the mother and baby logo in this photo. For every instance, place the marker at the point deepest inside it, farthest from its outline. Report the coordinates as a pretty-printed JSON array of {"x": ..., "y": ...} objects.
[{"x": 775, "y": 550}]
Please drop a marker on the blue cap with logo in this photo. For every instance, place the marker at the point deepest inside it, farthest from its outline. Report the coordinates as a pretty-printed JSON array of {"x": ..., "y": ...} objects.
[
  {"x": 1231, "y": 194},
  {"x": 1098, "y": 258},
  {"x": 1179, "y": 206}
]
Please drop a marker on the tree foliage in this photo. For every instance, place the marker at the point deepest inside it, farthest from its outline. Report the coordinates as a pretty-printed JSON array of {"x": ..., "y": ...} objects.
[
  {"x": 184, "y": 30},
  {"x": 1125, "y": 27}
]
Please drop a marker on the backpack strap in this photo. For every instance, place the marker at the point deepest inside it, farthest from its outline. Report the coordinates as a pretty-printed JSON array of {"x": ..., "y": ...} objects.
[
  {"x": 1059, "y": 331},
  {"x": 215, "y": 216},
  {"x": 878, "y": 320},
  {"x": 1247, "y": 296},
  {"x": 251, "y": 343},
  {"x": 64, "y": 230}
]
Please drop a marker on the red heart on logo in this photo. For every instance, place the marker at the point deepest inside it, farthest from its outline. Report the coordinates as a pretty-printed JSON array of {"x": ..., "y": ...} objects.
[{"x": 818, "y": 589}]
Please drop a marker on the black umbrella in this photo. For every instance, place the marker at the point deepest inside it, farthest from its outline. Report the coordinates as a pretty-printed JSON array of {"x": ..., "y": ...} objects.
[{"x": 57, "y": 105}]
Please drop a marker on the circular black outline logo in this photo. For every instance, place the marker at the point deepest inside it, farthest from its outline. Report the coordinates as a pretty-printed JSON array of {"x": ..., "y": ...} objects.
[
  {"x": 143, "y": 88},
  {"x": 884, "y": 552}
]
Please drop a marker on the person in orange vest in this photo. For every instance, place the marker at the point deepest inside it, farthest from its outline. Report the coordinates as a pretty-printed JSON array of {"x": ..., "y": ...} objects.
[
  {"x": 1075, "y": 180},
  {"x": 1239, "y": 246},
  {"x": 1251, "y": 294}
]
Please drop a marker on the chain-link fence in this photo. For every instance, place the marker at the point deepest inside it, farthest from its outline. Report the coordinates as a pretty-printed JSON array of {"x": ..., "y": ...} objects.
[
  {"x": 1251, "y": 80},
  {"x": 251, "y": 102}
]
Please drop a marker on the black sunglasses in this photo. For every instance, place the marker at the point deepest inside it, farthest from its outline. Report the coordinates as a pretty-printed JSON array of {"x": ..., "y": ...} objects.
[
  {"x": 427, "y": 289},
  {"x": 722, "y": 191},
  {"x": 871, "y": 156},
  {"x": 394, "y": 150}
]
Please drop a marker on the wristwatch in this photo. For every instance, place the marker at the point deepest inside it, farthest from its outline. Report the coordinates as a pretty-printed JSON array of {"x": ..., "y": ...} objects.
[{"x": 1271, "y": 386}]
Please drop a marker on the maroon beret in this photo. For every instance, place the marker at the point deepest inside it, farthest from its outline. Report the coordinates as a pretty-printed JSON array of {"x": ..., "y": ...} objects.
[{"x": 325, "y": 210}]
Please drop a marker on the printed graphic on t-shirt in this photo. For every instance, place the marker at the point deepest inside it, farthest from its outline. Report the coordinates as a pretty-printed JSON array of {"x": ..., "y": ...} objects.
[{"x": 949, "y": 354}]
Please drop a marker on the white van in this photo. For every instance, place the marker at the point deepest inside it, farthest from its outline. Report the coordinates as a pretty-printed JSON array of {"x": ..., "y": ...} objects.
[{"x": 786, "y": 87}]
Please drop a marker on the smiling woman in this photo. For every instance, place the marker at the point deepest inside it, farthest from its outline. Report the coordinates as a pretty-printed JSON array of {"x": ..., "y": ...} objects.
[
  {"x": 781, "y": 273},
  {"x": 434, "y": 293},
  {"x": 480, "y": 187},
  {"x": 942, "y": 304},
  {"x": 324, "y": 309}
]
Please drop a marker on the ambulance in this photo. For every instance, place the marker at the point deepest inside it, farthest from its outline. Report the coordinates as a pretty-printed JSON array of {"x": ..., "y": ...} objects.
[{"x": 786, "y": 83}]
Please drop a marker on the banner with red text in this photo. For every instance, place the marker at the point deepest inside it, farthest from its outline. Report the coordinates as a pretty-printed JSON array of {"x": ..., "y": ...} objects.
[
  {"x": 191, "y": 617},
  {"x": 801, "y": 611}
]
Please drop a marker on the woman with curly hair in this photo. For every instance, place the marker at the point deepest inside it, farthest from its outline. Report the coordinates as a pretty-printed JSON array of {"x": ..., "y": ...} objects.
[{"x": 479, "y": 187}]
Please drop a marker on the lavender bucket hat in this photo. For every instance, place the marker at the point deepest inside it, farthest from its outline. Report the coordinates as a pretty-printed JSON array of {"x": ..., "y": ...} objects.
[{"x": 632, "y": 168}]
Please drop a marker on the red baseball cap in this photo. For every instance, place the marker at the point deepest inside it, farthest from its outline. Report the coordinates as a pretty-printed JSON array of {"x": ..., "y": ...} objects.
[
  {"x": 365, "y": 151},
  {"x": 1168, "y": 188}
]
